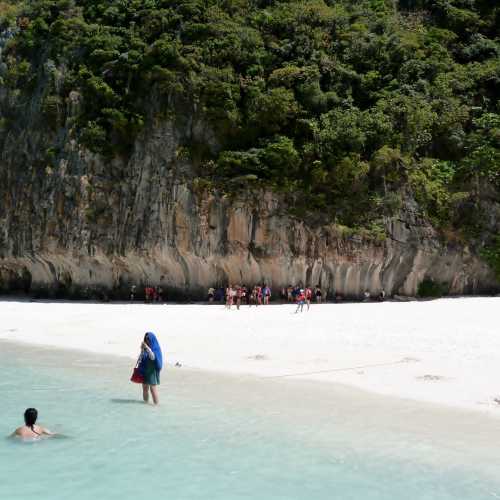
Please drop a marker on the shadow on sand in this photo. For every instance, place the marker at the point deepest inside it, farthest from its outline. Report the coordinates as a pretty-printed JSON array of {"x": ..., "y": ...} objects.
[{"x": 127, "y": 401}]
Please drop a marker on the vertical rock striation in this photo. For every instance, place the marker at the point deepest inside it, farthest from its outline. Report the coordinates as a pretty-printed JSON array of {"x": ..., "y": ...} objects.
[{"x": 95, "y": 225}]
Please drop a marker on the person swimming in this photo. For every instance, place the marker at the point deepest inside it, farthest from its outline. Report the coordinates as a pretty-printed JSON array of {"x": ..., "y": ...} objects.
[{"x": 30, "y": 430}]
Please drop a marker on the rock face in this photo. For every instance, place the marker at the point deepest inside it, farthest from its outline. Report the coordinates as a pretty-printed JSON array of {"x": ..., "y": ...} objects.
[
  {"x": 71, "y": 230},
  {"x": 72, "y": 223}
]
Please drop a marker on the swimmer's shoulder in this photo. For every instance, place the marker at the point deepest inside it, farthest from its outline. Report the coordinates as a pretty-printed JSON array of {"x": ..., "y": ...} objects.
[
  {"x": 27, "y": 433},
  {"x": 19, "y": 432}
]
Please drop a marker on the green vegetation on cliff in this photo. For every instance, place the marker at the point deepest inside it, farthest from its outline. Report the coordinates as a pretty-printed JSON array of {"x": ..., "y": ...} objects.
[{"x": 344, "y": 106}]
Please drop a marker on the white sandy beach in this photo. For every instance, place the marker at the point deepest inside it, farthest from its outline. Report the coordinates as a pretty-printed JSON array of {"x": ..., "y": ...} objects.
[{"x": 445, "y": 351}]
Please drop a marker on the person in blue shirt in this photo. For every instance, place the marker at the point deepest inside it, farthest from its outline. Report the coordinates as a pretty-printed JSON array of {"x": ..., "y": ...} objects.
[{"x": 150, "y": 365}]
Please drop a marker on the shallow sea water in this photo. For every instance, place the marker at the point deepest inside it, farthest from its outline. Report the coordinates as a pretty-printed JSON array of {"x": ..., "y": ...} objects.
[{"x": 222, "y": 437}]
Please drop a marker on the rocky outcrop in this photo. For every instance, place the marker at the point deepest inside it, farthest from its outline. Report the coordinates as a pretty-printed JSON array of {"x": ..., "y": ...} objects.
[
  {"x": 72, "y": 223},
  {"x": 72, "y": 229}
]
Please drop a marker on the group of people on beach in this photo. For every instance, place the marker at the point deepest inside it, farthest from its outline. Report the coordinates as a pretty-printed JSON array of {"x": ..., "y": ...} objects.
[
  {"x": 298, "y": 294},
  {"x": 151, "y": 294},
  {"x": 261, "y": 294},
  {"x": 241, "y": 294},
  {"x": 146, "y": 373}
]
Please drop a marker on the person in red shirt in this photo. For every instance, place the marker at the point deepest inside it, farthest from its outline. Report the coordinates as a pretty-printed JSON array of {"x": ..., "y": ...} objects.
[
  {"x": 308, "y": 296},
  {"x": 301, "y": 299}
]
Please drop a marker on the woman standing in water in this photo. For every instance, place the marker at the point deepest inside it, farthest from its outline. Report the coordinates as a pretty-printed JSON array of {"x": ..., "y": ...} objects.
[
  {"x": 30, "y": 430},
  {"x": 150, "y": 365}
]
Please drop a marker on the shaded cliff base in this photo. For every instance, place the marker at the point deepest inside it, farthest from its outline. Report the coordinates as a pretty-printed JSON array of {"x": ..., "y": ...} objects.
[{"x": 187, "y": 278}]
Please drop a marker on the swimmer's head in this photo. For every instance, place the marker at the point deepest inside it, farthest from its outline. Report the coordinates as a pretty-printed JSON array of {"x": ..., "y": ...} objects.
[{"x": 30, "y": 416}]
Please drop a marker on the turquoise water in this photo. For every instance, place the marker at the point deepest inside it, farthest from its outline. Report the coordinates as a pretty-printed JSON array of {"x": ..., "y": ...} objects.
[{"x": 216, "y": 437}]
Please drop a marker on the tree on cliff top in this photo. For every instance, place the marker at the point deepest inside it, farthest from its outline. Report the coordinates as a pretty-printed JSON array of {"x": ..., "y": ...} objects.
[{"x": 340, "y": 105}]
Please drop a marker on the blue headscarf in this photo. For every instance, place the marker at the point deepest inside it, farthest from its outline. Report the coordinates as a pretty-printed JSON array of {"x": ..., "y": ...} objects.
[{"x": 155, "y": 347}]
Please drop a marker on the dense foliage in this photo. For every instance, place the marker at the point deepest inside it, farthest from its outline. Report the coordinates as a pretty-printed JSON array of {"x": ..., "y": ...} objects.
[{"x": 345, "y": 106}]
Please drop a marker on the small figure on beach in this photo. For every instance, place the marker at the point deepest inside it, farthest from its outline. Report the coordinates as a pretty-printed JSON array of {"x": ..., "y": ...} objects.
[
  {"x": 266, "y": 292},
  {"x": 245, "y": 295},
  {"x": 148, "y": 294},
  {"x": 133, "y": 291},
  {"x": 381, "y": 296},
  {"x": 308, "y": 296},
  {"x": 230, "y": 293},
  {"x": 30, "y": 430},
  {"x": 150, "y": 365},
  {"x": 319, "y": 294},
  {"x": 301, "y": 300},
  {"x": 253, "y": 296},
  {"x": 239, "y": 296},
  {"x": 210, "y": 294},
  {"x": 219, "y": 294},
  {"x": 366, "y": 296}
]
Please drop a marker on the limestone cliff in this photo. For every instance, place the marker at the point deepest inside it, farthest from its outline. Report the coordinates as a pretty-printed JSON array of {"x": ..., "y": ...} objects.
[
  {"x": 73, "y": 223},
  {"x": 75, "y": 228}
]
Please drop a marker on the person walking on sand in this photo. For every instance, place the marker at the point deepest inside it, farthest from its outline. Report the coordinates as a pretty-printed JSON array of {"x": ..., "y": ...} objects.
[
  {"x": 301, "y": 300},
  {"x": 30, "y": 430},
  {"x": 150, "y": 365}
]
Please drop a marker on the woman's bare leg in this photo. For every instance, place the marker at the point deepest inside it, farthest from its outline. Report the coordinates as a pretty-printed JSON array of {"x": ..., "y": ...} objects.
[
  {"x": 145, "y": 392},
  {"x": 154, "y": 393}
]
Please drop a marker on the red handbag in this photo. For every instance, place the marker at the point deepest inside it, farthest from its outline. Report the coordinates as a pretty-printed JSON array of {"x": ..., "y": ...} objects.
[{"x": 137, "y": 377}]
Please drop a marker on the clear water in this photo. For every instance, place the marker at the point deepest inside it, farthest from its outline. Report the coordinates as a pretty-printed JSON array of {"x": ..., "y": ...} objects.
[{"x": 216, "y": 437}]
